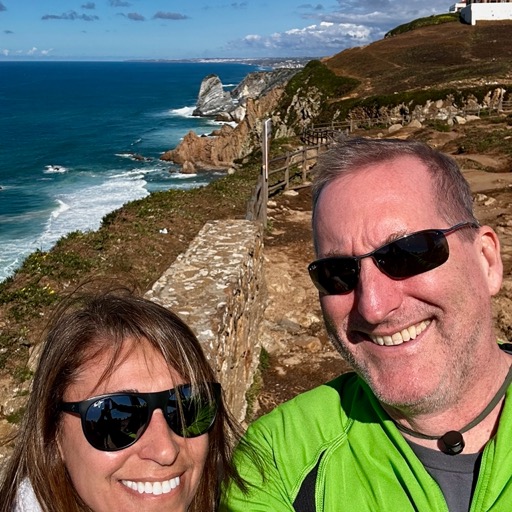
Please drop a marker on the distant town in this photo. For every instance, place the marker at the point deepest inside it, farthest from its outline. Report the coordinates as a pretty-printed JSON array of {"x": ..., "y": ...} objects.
[{"x": 264, "y": 62}]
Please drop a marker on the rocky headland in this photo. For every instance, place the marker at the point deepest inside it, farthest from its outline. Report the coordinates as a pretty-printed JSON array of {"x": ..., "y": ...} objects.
[{"x": 242, "y": 111}]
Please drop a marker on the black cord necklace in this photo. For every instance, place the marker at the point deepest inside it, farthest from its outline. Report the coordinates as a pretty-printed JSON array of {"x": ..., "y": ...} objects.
[{"x": 453, "y": 441}]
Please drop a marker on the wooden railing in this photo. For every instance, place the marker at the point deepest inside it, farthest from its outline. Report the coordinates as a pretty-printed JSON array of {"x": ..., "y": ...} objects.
[
  {"x": 286, "y": 172},
  {"x": 323, "y": 134},
  {"x": 506, "y": 106},
  {"x": 292, "y": 170}
]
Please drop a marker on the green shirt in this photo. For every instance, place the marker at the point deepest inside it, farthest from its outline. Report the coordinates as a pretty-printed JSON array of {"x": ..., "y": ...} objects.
[{"x": 339, "y": 437}]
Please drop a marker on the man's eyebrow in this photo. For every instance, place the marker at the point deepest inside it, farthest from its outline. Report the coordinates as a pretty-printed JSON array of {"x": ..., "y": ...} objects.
[{"x": 397, "y": 235}]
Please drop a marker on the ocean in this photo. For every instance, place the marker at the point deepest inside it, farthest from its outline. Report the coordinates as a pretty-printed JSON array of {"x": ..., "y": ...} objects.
[{"x": 71, "y": 134}]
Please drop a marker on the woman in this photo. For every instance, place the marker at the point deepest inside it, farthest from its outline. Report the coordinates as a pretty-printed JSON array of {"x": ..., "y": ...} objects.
[{"x": 124, "y": 414}]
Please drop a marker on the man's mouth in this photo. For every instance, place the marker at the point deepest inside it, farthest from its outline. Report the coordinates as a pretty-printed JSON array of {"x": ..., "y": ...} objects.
[
  {"x": 409, "y": 333},
  {"x": 155, "y": 488}
]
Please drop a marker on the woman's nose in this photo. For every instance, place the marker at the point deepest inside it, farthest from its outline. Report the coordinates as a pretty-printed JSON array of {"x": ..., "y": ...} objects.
[{"x": 159, "y": 442}]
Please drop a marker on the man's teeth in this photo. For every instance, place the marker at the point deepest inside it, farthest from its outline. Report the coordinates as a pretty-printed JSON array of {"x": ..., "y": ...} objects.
[
  {"x": 155, "y": 488},
  {"x": 410, "y": 333}
]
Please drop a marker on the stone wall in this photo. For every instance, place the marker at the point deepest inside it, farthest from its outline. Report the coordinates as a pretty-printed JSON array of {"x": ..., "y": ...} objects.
[{"x": 218, "y": 288}]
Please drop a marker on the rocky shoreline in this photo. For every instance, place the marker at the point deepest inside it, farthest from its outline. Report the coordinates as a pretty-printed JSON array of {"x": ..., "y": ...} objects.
[{"x": 242, "y": 110}]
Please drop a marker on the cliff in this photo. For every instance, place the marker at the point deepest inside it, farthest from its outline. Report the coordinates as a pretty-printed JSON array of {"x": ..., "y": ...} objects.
[
  {"x": 428, "y": 73},
  {"x": 251, "y": 102}
]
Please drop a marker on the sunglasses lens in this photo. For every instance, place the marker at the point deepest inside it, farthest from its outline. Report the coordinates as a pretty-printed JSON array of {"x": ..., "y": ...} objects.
[
  {"x": 334, "y": 276},
  {"x": 115, "y": 423},
  {"x": 406, "y": 257},
  {"x": 413, "y": 255},
  {"x": 192, "y": 414}
]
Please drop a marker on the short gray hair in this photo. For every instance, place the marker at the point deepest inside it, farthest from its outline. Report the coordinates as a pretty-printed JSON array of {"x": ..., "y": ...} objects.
[{"x": 350, "y": 154}]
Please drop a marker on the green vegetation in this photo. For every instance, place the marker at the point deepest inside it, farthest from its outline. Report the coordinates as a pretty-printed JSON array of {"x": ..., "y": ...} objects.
[
  {"x": 253, "y": 392},
  {"x": 16, "y": 416},
  {"x": 424, "y": 22},
  {"x": 128, "y": 249},
  {"x": 476, "y": 140},
  {"x": 317, "y": 81}
]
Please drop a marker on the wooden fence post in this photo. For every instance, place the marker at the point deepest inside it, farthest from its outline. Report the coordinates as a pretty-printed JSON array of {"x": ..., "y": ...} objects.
[
  {"x": 287, "y": 172},
  {"x": 266, "y": 135},
  {"x": 304, "y": 165}
]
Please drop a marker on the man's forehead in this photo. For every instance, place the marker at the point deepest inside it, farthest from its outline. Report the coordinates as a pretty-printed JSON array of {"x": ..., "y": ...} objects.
[{"x": 376, "y": 205}]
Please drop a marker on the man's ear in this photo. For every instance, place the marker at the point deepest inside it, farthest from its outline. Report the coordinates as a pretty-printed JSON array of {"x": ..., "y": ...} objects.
[{"x": 489, "y": 250}]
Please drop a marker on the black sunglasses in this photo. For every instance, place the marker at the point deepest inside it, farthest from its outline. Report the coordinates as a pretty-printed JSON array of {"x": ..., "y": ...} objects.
[
  {"x": 405, "y": 257},
  {"x": 116, "y": 421}
]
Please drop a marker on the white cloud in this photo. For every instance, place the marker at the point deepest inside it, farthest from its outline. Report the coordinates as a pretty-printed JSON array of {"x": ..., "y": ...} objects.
[
  {"x": 346, "y": 24},
  {"x": 33, "y": 52},
  {"x": 319, "y": 39}
]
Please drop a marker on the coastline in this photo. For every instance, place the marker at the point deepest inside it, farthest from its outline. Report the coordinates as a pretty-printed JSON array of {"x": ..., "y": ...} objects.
[{"x": 68, "y": 155}]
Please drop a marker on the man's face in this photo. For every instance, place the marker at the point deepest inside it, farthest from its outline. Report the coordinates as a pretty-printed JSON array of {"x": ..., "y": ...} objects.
[{"x": 437, "y": 326}]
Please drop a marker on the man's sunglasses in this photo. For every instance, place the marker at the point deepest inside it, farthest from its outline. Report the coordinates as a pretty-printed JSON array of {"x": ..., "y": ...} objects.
[
  {"x": 116, "y": 421},
  {"x": 405, "y": 257}
]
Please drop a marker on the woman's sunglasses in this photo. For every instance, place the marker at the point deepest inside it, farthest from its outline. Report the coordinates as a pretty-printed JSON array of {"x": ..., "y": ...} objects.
[
  {"x": 116, "y": 421},
  {"x": 406, "y": 257}
]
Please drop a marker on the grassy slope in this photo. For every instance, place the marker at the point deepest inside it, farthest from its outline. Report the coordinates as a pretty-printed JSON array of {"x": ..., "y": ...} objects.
[
  {"x": 435, "y": 56},
  {"x": 129, "y": 248}
]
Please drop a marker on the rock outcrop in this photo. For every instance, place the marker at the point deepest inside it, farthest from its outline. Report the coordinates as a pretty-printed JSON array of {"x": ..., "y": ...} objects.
[
  {"x": 213, "y": 101},
  {"x": 212, "y": 98},
  {"x": 259, "y": 83},
  {"x": 256, "y": 97}
]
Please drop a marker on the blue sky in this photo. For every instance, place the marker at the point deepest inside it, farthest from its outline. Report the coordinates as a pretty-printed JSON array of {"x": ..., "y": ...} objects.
[{"x": 172, "y": 29}]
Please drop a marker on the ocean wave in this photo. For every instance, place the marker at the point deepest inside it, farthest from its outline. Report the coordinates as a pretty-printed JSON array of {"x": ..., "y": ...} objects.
[
  {"x": 136, "y": 174},
  {"x": 214, "y": 122},
  {"x": 133, "y": 156},
  {"x": 181, "y": 176},
  {"x": 52, "y": 169},
  {"x": 86, "y": 207},
  {"x": 63, "y": 207},
  {"x": 182, "y": 112}
]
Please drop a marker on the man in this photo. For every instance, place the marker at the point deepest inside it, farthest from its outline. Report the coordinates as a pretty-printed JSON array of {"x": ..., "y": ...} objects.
[{"x": 406, "y": 275}]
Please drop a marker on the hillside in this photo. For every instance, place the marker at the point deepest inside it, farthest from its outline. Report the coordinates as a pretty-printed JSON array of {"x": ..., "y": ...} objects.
[
  {"x": 138, "y": 242},
  {"x": 437, "y": 56}
]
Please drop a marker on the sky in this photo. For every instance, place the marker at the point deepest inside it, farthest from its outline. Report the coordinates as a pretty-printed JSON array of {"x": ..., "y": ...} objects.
[{"x": 177, "y": 29}]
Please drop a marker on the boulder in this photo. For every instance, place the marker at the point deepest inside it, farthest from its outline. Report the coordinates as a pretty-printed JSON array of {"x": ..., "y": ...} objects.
[
  {"x": 415, "y": 124},
  {"x": 212, "y": 98},
  {"x": 188, "y": 167}
]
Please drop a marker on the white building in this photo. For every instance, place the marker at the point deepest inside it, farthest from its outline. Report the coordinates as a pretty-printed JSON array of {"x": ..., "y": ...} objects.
[
  {"x": 486, "y": 10},
  {"x": 458, "y": 6}
]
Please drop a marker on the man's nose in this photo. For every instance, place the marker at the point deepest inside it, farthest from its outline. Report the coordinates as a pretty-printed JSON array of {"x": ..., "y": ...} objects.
[{"x": 376, "y": 294}]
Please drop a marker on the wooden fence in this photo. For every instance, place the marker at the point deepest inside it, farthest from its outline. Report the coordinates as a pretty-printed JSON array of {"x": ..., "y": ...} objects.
[
  {"x": 292, "y": 170},
  {"x": 285, "y": 172},
  {"x": 324, "y": 134}
]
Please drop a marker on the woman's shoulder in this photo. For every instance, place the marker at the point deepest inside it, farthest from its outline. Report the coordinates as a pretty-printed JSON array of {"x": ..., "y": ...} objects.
[{"x": 26, "y": 500}]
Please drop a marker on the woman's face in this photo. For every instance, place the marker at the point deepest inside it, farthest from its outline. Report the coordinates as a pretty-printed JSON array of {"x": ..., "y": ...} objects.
[{"x": 158, "y": 461}]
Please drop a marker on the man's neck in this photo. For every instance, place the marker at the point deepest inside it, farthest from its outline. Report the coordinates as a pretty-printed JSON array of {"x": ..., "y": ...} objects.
[{"x": 473, "y": 405}]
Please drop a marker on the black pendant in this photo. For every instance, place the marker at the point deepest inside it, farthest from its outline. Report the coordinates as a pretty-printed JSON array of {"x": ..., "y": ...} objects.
[{"x": 453, "y": 442}]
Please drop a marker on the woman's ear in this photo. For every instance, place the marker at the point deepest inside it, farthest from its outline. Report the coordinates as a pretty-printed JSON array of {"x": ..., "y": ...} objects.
[{"x": 490, "y": 256}]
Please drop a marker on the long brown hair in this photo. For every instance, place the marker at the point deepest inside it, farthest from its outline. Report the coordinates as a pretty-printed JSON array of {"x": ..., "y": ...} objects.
[{"x": 85, "y": 327}]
